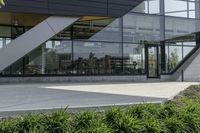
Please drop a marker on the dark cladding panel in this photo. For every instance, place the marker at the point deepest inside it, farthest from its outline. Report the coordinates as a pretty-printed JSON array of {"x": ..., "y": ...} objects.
[
  {"x": 118, "y": 7},
  {"x": 113, "y": 8},
  {"x": 26, "y": 6},
  {"x": 78, "y": 7}
]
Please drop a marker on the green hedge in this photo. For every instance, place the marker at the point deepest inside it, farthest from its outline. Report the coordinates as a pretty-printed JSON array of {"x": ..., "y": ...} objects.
[{"x": 179, "y": 116}]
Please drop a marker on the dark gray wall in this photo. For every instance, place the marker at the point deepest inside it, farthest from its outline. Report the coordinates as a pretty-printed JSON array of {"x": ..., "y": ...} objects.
[{"x": 114, "y": 8}]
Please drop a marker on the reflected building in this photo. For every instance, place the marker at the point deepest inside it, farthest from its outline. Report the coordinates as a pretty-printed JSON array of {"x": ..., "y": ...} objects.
[{"x": 155, "y": 39}]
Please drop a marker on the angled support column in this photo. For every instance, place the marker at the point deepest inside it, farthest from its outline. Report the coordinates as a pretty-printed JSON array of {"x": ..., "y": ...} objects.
[{"x": 32, "y": 39}]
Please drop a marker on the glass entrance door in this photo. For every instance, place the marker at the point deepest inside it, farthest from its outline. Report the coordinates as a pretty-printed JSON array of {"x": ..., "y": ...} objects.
[{"x": 152, "y": 61}]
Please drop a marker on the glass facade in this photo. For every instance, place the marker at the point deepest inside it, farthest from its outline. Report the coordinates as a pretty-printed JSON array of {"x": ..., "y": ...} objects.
[{"x": 152, "y": 39}]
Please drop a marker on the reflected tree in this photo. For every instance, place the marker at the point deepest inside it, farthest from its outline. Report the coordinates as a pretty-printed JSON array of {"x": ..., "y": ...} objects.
[
  {"x": 2, "y": 3},
  {"x": 173, "y": 60}
]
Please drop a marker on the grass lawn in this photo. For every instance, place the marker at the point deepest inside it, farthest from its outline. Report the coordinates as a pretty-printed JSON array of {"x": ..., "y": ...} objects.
[{"x": 181, "y": 115}]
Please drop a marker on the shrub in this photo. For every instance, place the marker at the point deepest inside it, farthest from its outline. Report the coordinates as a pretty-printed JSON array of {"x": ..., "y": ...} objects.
[
  {"x": 167, "y": 111},
  {"x": 122, "y": 122},
  {"x": 143, "y": 110},
  {"x": 173, "y": 125},
  {"x": 82, "y": 121},
  {"x": 151, "y": 125},
  {"x": 8, "y": 126},
  {"x": 29, "y": 124},
  {"x": 57, "y": 122},
  {"x": 98, "y": 126}
]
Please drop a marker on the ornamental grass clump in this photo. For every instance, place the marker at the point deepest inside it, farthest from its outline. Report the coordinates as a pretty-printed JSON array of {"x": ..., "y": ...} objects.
[
  {"x": 89, "y": 122},
  {"x": 173, "y": 125},
  {"x": 57, "y": 122},
  {"x": 143, "y": 110},
  {"x": 29, "y": 124},
  {"x": 121, "y": 122},
  {"x": 8, "y": 126}
]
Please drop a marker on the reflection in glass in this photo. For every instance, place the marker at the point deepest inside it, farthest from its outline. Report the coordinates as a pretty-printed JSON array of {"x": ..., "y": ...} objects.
[
  {"x": 179, "y": 27},
  {"x": 139, "y": 28},
  {"x": 175, "y": 56},
  {"x": 154, "y": 6},
  {"x": 58, "y": 57},
  {"x": 98, "y": 30},
  {"x": 4, "y": 42},
  {"x": 148, "y": 7},
  {"x": 111, "y": 31},
  {"x": 5, "y": 31},
  {"x": 1, "y": 42},
  {"x": 113, "y": 46},
  {"x": 152, "y": 61},
  {"x": 142, "y": 8},
  {"x": 182, "y": 8},
  {"x": 33, "y": 62},
  {"x": 171, "y": 8},
  {"x": 97, "y": 58},
  {"x": 134, "y": 59},
  {"x": 176, "y": 52}
]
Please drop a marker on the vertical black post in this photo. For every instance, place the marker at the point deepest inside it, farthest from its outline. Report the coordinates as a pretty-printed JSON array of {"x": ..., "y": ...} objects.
[
  {"x": 72, "y": 44},
  {"x": 197, "y": 16},
  {"x": 24, "y": 65},
  {"x": 182, "y": 75},
  {"x": 122, "y": 43},
  {"x": 163, "y": 56},
  {"x": 162, "y": 33},
  {"x": 146, "y": 59},
  {"x": 197, "y": 39}
]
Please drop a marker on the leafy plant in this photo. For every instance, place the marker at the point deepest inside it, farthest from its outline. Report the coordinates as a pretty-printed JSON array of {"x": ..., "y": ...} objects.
[
  {"x": 57, "y": 122},
  {"x": 29, "y": 124}
]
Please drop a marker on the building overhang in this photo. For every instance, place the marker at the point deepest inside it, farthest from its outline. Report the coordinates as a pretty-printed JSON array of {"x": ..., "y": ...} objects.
[{"x": 108, "y": 8}]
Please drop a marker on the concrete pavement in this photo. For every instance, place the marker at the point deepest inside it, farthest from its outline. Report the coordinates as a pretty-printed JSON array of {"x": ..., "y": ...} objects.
[{"x": 24, "y": 97}]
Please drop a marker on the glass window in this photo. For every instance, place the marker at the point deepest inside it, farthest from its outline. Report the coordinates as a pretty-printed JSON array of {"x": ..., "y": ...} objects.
[
  {"x": 134, "y": 58},
  {"x": 154, "y": 6},
  {"x": 176, "y": 8},
  {"x": 189, "y": 44},
  {"x": 176, "y": 52},
  {"x": 192, "y": 14},
  {"x": 175, "y": 5},
  {"x": 148, "y": 7},
  {"x": 15, "y": 69},
  {"x": 180, "y": 27},
  {"x": 98, "y": 30},
  {"x": 174, "y": 56},
  {"x": 187, "y": 50},
  {"x": 4, "y": 42},
  {"x": 8, "y": 40},
  {"x": 33, "y": 62},
  {"x": 97, "y": 58},
  {"x": 194, "y": 9},
  {"x": 5, "y": 31},
  {"x": 16, "y": 31},
  {"x": 1, "y": 42},
  {"x": 140, "y": 28},
  {"x": 64, "y": 35},
  {"x": 58, "y": 57},
  {"x": 142, "y": 8}
]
